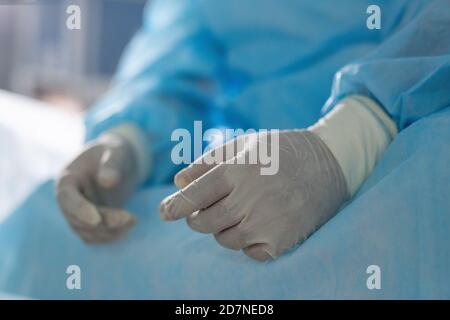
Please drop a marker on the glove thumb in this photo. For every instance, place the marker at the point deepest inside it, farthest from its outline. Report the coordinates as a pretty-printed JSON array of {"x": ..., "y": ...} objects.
[{"x": 109, "y": 173}]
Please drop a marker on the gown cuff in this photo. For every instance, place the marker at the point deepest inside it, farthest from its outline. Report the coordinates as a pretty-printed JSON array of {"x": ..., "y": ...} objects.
[
  {"x": 139, "y": 144},
  {"x": 357, "y": 131}
]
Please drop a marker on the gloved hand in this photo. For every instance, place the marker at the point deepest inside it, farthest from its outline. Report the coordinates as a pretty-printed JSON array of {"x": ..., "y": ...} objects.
[
  {"x": 319, "y": 168},
  {"x": 264, "y": 215},
  {"x": 93, "y": 188}
]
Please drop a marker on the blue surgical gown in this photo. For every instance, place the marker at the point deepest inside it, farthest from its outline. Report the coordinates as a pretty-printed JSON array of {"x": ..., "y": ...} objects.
[
  {"x": 266, "y": 64},
  {"x": 270, "y": 64}
]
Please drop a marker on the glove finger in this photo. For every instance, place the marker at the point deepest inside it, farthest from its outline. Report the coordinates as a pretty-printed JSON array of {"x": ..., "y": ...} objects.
[
  {"x": 118, "y": 219},
  {"x": 90, "y": 189},
  {"x": 258, "y": 252},
  {"x": 110, "y": 171},
  {"x": 213, "y": 219},
  {"x": 74, "y": 205},
  {"x": 103, "y": 197},
  {"x": 205, "y": 163},
  {"x": 88, "y": 235},
  {"x": 200, "y": 194},
  {"x": 100, "y": 234},
  {"x": 117, "y": 197},
  {"x": 235, "y": 238}
]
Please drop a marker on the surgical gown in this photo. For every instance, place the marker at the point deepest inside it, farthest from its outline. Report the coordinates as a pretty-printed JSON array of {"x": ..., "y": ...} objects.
[
  {"x": 270, "y": 64},
  {"x": 266, "y": 64}
]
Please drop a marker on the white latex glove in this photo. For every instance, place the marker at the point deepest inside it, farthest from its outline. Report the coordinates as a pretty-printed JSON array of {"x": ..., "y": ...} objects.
[
  {"x": 93, "y": 188},
  {"x": 265, "y": 215}
]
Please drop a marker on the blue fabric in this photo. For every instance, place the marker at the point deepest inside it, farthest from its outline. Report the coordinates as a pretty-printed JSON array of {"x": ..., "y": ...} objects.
[
  {"x": 265, "y": 64},
  {"x": 409, "y": 73},
  {"x": 270, "y": 64},
  {"x": 399, "y": 221}
]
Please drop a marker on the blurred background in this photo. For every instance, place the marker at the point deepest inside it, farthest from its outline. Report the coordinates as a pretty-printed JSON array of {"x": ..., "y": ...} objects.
[{"x": 41, "y": 58}]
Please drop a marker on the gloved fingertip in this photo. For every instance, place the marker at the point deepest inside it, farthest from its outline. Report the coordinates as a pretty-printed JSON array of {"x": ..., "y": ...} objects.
[
  {"x": 132, "y": 221},
  {"x": 173, "y": 207},
  {"x": 117, "y": 218},
  {"x": 90, "y": 216},
  {"x": 108, "y": 177},
  {"x": 258, "y": 252},
  {"x": 163, "y": 211},
  {"x": 181, "y": 180}
]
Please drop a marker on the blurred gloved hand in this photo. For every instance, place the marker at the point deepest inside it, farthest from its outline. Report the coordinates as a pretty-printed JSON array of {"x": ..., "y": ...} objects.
[
  {"x": 95, "y": 185},
  {"x": 264, "y": 215}
]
